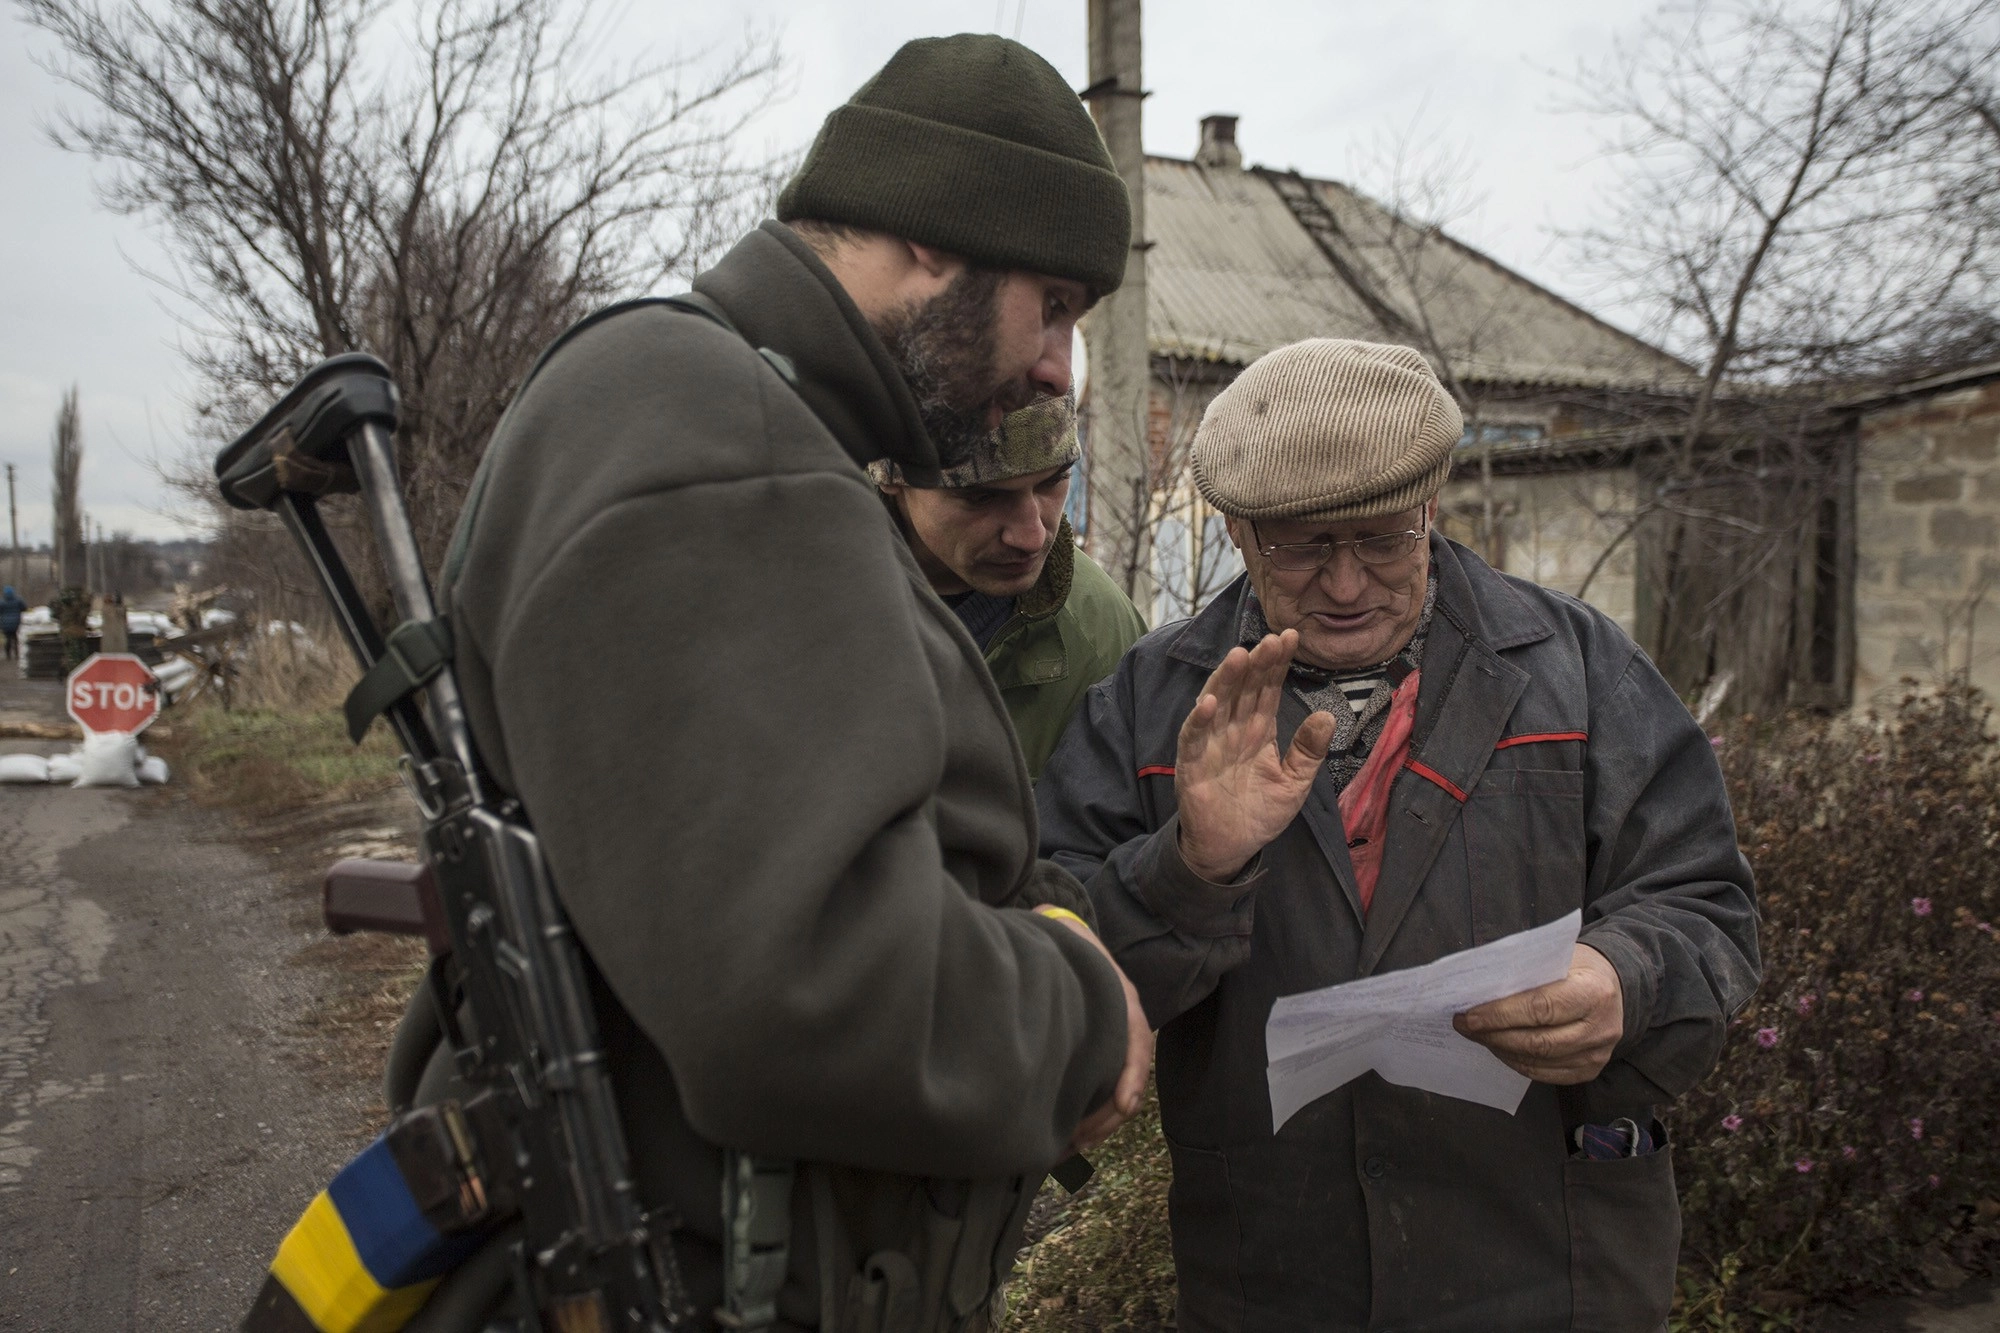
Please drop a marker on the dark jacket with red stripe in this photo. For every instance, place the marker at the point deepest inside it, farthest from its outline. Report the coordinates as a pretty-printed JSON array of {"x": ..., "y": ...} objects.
[{"x": 1551, "y": 769}]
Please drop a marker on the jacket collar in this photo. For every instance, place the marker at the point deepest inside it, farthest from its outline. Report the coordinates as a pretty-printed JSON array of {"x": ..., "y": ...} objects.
[
  {"x": 779, "y": 295},
  {"x": 1480, "y": 600},
  {"x": 1051, "y": 590},
  {"x": 1471, "y": 595}
]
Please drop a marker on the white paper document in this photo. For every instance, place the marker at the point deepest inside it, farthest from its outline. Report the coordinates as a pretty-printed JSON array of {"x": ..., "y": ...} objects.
[{"x": 1399, "y": 1024}]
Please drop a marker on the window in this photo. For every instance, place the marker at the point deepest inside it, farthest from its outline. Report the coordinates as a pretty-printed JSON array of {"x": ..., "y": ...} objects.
[{"x": 1504, "y": 434}]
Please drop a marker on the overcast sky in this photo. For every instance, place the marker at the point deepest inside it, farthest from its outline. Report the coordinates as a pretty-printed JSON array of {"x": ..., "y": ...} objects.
[{"x": 1320, "y": 86}]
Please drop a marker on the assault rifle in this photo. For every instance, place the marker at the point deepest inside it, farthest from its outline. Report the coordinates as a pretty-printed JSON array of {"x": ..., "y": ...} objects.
[{"x": 543, "y": 1137}]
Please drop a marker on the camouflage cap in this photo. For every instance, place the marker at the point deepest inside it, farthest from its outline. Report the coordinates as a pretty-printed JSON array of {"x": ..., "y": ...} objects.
[{"x": 1037, "y": 438}]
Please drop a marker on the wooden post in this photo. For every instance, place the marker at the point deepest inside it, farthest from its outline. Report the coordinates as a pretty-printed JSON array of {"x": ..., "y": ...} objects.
[
  {"x": 14, "y": 533},
  {"x": 114, "y": 636},
  {"x": 1119, "y": 468}
]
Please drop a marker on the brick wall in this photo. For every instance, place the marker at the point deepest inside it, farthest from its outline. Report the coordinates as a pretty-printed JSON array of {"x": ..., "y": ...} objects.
[{"x": 1927, "y": 543}]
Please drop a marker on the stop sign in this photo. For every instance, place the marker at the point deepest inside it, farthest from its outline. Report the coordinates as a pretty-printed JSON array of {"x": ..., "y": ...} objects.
[{"x": 113, "y": 692}]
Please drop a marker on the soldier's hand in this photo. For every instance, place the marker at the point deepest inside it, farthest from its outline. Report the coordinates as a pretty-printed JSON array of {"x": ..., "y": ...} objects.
[
  {"x": 1563, "y": 1032},
  {"x": 1131, "y": 1086},
  {"x": 1235, "y": 791}
]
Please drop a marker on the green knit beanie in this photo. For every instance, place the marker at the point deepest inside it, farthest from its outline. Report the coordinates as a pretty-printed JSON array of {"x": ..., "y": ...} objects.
[{"x": 975, "y": 145}]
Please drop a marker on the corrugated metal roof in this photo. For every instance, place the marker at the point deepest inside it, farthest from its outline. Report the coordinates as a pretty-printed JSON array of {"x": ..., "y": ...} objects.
[
  {"x": 1233, "y": 273},
  {"x": 1983, "y": 372}
]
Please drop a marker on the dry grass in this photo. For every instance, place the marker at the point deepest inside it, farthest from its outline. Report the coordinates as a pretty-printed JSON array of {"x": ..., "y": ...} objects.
[
  {"x": 261, "y": 759},
  {"x": 374, "y": 977},
  {"x": 292, "y": 669}
]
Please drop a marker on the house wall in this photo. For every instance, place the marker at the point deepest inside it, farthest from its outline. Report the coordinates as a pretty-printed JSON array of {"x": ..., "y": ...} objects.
[
  {"x": 1927, "y": 543},
  {"x": 1552, "y": 528}
]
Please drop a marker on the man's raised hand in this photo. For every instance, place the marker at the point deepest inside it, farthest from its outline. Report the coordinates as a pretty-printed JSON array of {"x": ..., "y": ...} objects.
[{"x": 1235, "y": 790}]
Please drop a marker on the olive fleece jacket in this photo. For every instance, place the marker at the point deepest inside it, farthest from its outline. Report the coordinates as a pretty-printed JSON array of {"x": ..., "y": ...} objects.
[{"x": 774, "y": 779}]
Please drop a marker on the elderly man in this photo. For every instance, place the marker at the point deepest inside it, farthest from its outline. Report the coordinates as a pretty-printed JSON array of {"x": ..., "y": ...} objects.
[
  {"x": 991, "y": 538},
  {"x": 1372, "y": 751}
]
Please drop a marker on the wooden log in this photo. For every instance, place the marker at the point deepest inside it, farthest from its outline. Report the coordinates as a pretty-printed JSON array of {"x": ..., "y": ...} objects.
[
  {"x": 68, "y": 731},
  {"x": 40, "y": 731}
]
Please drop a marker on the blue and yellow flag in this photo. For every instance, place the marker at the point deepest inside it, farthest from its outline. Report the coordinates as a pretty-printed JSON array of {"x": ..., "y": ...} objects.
[{"x": 363, "y": 1258}]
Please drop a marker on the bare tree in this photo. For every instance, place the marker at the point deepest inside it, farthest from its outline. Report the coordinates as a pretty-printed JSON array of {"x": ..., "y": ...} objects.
[
  {"x": 66, "y": 465},
  {"x": 447, "y": 194},
  {"x": 1807, "y": 195},
  {"x": 1803, "y": 186}
]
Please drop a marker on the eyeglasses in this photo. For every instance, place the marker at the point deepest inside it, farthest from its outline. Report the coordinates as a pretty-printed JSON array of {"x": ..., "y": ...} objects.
[{"x": 1304, "y": 557}]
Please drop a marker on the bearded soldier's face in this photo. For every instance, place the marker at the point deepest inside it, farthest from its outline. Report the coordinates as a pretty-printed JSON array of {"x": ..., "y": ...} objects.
[{"x": 990, "y": 343}]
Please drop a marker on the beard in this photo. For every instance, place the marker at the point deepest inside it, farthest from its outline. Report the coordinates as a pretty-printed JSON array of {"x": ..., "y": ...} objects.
[{"x": 945, "y": 349}]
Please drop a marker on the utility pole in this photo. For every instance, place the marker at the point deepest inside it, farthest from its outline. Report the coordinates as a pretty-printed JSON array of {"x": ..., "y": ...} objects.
[
  {"x": 1119, "y": 469},
  {"x": 14, "y": 532}
]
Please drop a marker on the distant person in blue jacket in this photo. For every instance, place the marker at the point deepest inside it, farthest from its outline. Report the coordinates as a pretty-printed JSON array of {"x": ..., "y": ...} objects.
[{"x": 11, "y": 607}]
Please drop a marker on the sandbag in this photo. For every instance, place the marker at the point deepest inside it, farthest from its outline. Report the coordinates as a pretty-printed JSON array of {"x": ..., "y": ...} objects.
[
  {"x": 23, "y": 768},
  {"x": 108, "y": 759},
  {"x": 153, "y": 770},
  {"x": 65, "y": 767}
]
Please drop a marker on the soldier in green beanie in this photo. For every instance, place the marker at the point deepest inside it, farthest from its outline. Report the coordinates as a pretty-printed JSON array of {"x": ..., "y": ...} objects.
[
  {"x": 850, "y": 1025},
  {"x": 991, "y": 537}
]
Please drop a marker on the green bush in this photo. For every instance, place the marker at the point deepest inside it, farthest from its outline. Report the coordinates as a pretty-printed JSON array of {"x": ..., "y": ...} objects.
[{"x": 1848, "y": 1142}]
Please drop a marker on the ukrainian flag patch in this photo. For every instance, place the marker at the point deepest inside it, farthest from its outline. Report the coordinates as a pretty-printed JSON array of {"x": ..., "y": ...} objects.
[{"x": 362, "y": 1259}]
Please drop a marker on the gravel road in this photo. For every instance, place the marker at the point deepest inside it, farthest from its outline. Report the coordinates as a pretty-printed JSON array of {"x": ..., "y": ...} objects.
[{"x": 162, "y": 1117}]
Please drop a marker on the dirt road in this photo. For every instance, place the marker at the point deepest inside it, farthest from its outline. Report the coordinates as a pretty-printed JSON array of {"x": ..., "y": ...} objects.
[{"x": 163, "y": 1118}]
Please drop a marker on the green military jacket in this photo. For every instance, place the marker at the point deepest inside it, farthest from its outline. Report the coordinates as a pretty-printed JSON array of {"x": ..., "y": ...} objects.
[{"x": 1067, "y": 633}]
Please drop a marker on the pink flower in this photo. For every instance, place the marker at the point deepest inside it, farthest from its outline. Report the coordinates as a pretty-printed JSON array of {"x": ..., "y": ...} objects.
[
  {"x": 1805, "y": 1166},
  {"x": 1935, "y": 1182},
  {"x": 1848, "y": 1153},
  {"x": 1915, "y": 997},
  {"x": 1917, "y": 1127},
  {"x": 1732, "y": 1122},
  {"x": 1871, "y": 758},
  {"x": 1715, "y": 742},
  {"x": 1986, "y": 926},
  {"x": 1806, "y": 1003},
  {"x": 1767, "y": 1037},
  {"x": 1921, "y": 906}
]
